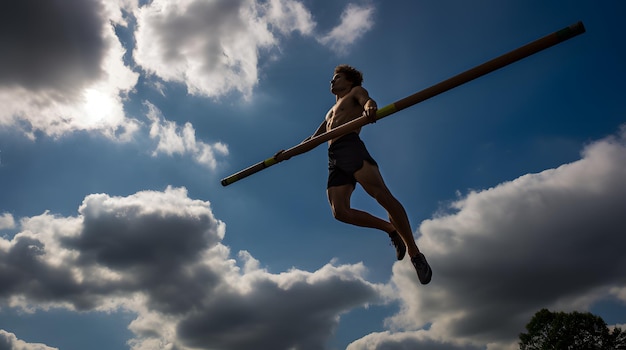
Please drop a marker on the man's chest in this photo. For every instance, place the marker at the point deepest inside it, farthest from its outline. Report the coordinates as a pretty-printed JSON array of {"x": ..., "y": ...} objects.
[{"x": 345, "y": 108}]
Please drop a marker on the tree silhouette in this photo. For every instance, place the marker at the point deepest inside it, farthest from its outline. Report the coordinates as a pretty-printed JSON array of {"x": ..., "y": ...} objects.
[{"x": 570, "y": 331}]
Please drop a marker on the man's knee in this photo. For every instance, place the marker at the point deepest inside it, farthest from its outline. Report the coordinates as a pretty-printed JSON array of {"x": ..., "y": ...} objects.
[
  {"x": 339, "y": 199},
  {"x": 341, "y": 213}
]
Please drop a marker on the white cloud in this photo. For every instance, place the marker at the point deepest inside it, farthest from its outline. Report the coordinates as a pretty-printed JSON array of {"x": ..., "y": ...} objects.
[
  {"x": 214, "y": 47},
  {"x": 552, "y": 239},
  {"x": 8, "y": 341},
  {"x": 159, "y": 255},
  {"x": 66, "y": 73},
  {"x": 407, "y": 341},
  {"x": 288, "y": 16},
  {"x": 356, "y": 20},
  {"x": 6, "y": 221},
  {"x": 211, "y": 47},
  {"x": 174, "y": 139}
]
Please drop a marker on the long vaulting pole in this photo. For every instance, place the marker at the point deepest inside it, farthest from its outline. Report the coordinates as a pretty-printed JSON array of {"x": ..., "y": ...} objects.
[{"x": 469, "y": 75}]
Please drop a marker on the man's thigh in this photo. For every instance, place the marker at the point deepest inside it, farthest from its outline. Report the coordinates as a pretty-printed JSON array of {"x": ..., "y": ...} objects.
[
  {"x": 370, "y": 179},
  {"x": 339, "y": 196}
]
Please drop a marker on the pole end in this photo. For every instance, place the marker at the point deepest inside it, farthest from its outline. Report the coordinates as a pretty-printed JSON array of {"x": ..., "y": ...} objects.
[
  {"x": 571, "y": 31},
  {"x": 577, "y": 28},
  {"x": 227, "y": 181}
]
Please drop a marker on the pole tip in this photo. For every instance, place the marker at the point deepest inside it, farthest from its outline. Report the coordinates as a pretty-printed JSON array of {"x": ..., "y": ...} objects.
[
  {"x": 578, "y": 27},
  {"x": 570, "y": 31}
]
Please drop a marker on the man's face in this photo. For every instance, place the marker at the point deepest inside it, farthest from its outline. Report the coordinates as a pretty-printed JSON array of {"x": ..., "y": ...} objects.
[{"x": 339, "y": 83}]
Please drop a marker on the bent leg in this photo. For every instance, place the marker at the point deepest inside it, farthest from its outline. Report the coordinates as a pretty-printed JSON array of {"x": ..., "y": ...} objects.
[
  {"x": 339, "y": 198},
  {"x": 372, "y": 182}
]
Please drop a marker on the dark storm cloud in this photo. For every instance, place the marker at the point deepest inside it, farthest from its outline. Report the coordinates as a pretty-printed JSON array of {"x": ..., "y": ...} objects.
[
  {"x": 159, "y": 254},
  {"x": 51, "y": 45},
  {"x": 23, "y": 272},
  {"x": 156, "y": 246},
  {"x": 119, "y": 246},
  {"x": 300, "y": 316},
  {"x": 123, "y": 237},
  {"x": 62, "y": 68}
]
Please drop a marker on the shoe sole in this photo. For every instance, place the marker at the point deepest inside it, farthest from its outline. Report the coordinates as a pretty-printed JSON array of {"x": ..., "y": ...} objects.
[
  {"x": 429, "y": 273},
  {"x": 429, "y": 276}
]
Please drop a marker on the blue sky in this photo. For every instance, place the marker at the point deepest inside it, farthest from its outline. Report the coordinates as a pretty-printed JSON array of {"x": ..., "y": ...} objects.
[{"x": 120, "y": 118}]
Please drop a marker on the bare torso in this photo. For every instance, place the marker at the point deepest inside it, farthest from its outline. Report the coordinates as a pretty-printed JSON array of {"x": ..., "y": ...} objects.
[{"x": 346, "y": 109}]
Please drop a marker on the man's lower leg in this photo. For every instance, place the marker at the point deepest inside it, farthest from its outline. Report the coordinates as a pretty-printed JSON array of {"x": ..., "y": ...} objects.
[{"x": 399, "y": 219}]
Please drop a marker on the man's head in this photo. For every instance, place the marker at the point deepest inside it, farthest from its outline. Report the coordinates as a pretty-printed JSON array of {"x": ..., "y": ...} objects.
[{"x": 350, "y": 73}]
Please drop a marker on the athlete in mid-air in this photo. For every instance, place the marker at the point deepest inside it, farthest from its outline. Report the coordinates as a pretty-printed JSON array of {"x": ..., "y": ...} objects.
[{"x": 351, "y": 163}]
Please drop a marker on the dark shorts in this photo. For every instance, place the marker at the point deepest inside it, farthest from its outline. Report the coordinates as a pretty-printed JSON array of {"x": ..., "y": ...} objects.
[{"x": 345, "y": 157}]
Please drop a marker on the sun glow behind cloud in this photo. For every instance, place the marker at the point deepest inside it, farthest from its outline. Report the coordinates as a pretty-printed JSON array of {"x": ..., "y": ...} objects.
[{"x": 97, "y": 107}]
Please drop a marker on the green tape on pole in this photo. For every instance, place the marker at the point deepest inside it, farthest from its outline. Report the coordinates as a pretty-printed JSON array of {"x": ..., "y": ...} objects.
[
  {"x": 385, "y": 111},
  {"x": 229, "y": 180},
  {"x": 269, "y": 162}
]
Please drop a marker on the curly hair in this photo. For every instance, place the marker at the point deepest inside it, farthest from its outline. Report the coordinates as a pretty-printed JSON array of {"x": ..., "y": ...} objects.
[{"x": 351, "y": 73}]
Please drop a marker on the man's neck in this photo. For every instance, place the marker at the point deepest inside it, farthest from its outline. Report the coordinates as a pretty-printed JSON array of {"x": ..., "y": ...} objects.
[{"x": 340, "y": 94}]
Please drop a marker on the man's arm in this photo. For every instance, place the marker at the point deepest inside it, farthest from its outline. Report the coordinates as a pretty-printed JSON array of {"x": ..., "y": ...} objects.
[
  {"x": 369, "y": 105},
  {"x": 320, "y": 130}
]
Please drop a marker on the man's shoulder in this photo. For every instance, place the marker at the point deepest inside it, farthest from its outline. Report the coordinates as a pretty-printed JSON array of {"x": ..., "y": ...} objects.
[
  {"x": 358, "y": 90},
  {"x": 359, "y": 95}
]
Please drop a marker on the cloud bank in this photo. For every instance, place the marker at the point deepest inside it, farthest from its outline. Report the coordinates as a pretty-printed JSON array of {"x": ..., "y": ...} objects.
[
  {"x": 499, "y": 256},
  {"x": 551, "y": 239},
  {"x": 159, "y": 255}
]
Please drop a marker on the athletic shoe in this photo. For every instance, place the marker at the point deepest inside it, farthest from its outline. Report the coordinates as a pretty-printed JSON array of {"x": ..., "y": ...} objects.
[
  {"x": 397, "y": 242},
  {"x": 423, "y": 269}
]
